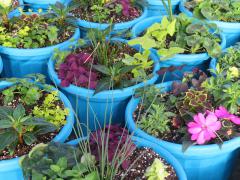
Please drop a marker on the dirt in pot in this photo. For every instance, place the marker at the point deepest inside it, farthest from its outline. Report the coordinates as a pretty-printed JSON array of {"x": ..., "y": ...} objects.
[
  {"x": 111, "y": 16},
  {"x": 141, "y": 159},
  {"x": 19, "y": 148}
]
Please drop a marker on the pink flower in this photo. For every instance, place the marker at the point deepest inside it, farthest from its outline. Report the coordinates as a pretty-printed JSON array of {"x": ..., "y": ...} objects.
[
  {"x": 203, "y": 129},
  {"x": 223, "y": 113}
]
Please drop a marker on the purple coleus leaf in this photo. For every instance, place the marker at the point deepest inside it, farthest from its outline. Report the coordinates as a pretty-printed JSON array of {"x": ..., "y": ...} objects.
[
  {"x": 75, "y": 70},
  {"x": 116, "y": 140}
]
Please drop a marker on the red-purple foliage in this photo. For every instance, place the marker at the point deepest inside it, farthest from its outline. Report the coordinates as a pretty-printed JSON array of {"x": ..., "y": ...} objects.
[
  {"x": 75, "y": 71},
  {"x": 128, "y": 10},
  {"x": 119, "y": 141}
]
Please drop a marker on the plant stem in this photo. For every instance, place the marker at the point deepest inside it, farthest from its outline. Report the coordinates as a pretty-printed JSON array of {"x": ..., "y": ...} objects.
[{"x": 20, "y": 138}]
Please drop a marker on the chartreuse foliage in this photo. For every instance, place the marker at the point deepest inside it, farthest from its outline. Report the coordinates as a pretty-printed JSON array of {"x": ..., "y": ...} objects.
[
  {"x": 35, "y": 30},
  {"x": 180, "y": 35},
  {"x": 18, "y": 128},
  {"x": 51, "y": 111},
  {"x": 222, "y": 10},
  {"x": 231, "y": 58},
  {"x": 157, "y": 171},
  {"x": 58, "y": 161},
  {"x": 50, "y": 108}
]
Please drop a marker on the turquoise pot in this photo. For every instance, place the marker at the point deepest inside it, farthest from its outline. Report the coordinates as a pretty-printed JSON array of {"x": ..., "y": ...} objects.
[
  {"x": 188, "y": 61},
  {"x": 139, "y": 142},
  {"x": 200, "y": 161},
  {"x": 156, "y": 8},
  {"x": 1, "y": 65},
  {"x": 20, "y": 62},
  {"x": 229, "y": 29},
  {"x": 119, "y": 28},
  {"x": 93, "y": 111},
  {"x": 10, "y": 169},
  {"x": 40, "y": 4}
]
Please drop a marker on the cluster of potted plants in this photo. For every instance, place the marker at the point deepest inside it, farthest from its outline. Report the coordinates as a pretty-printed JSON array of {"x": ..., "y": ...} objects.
[{"x": 141, "y": 92}]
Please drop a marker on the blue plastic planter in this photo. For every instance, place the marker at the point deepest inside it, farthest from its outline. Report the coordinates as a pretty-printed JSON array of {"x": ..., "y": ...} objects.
[
  {"x": 19, "y": 62},
  {"x": 139, "y": 142},
  {"x": 10, "y": 169},
  {"x": 156, "y": 8},
  {"x": 40, "y": 4},
  {"x": 229, "y": 29},
  {"x": 200, "y": 162},
  {"x": 1, "y": 65},
  {"x": 20, "y": 2},
  {"x": 188, "y": 61},
  {"x": 105, "y": 107},
  {"x": 119, "y": 28}
]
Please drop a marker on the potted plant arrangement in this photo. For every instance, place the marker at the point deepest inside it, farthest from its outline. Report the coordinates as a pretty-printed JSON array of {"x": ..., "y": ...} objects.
[
  {"x": 30, "y": 114},
  {"x": 197, "y": 111},
  {"x": 223, "y": 13},
  {"x": 100, "y": 76},
  {"x": 110, "y": 153},
  {"x": 28, "y": 40},
  {"x": 178, "y": 41},
  {"x": 100, "y": 14},
  {"x": 156, "y": 7},
  {"x": 229, "y": 59},
  {"x": 43, "y": 4}
]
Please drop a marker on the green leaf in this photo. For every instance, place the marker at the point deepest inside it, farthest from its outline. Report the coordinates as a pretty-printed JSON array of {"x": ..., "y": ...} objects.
[
  {"x": 7, "y": 138},
  {"x": 145, "y": 42},
  {"x": 92, "y": 176},
  {"x": 19, "y": 112},
  {"x": 127, "y": 69},
  {"x": 55, "y": 168},
  {"x": 62, "y": 162},
  {"x": 5, "y": 112},
  {"x": 168, "y": 53},
  {"x": 172, "y": 27},
  {"x": 103, "y": 69},
  {"x": 103, "y": 84},
  {"x": 29, "y": 138},
  {"x": 186, "y": 145},
  {"x": 5, "y": 123}
]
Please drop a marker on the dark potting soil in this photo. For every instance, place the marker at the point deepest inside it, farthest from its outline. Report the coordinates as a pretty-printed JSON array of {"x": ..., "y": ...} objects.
[
  {"x": 24, "y": 148},
  {"x": 141, "y": 159},
  {"x": 87, "y": 14}
]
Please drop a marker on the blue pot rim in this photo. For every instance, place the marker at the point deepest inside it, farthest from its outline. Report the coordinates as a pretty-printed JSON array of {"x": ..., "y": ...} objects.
[
  {"x": 43, "y": 2},
  {"x": 197, "y": 150},
  {"x": 117, "y": 26},
  {"x": 140, "y": 142},
  {"x": 60, "y": 137},
  {"x": 159, "y": 2},
  {"x": 221, "y": 24},
  {"x": 1, "y": 65},
  {"x": 180, "y": 57},
  {"x": 72, "y": 89},
  {"x": 37, "y": 51}
]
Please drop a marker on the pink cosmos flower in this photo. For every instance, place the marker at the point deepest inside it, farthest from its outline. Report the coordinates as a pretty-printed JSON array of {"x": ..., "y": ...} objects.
[
  {"x": 203, "y": 129},
  {"x": 223, "y": 113}
]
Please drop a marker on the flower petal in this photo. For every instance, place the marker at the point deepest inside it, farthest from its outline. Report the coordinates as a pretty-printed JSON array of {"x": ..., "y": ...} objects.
[
  {"x": 235, "y": 119},
  {"x": 201, "y": 138}
]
